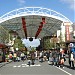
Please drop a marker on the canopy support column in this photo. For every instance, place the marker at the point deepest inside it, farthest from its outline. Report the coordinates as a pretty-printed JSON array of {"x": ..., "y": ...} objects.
[
  {"x": 39, "y": 30},
  {"x": 40, "y": 27},
  {"x": 24, "y": 26}
]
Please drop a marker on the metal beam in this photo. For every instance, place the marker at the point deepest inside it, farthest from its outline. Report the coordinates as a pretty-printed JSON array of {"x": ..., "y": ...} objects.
[
  {"x": 24, "y": 26},
  {"x": 39, "y": 30}
]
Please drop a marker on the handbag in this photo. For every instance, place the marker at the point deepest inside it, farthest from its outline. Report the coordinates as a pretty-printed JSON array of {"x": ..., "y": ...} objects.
[{"x": 71, "y": 59}]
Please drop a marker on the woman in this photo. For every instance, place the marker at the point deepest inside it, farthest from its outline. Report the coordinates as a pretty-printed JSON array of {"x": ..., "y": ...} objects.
[
  {"x": 62, "y": 57},
  {"x": 71, "y": 60}
]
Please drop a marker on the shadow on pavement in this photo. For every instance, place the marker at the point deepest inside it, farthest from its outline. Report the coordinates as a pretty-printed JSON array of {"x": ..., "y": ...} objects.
[{"x": 69, "y": 67}]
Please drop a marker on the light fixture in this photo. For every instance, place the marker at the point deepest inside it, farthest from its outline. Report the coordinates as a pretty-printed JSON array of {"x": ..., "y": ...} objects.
[{"x": 30, "y": 39}]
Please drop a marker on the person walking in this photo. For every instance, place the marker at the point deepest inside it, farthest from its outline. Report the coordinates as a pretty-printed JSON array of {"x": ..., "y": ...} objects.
[
  {"x": 48, "y": 55},
  {"x": 22, "y": 56},
  {"x": 62, "y": 57},
  {"x": 58, "y": 58},
  {"x": 14, "y": 57},
  {"x": 71, "y": 60},
  {"x": 54, "y": 54},
  {"x": 32, "y": 57},
  {"x": 41, "y": 56},
  {"x": 10, "y": 56}
]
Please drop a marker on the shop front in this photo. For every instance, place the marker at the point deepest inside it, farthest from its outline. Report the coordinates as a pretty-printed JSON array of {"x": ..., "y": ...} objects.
[{"x": 2, "y": 52}]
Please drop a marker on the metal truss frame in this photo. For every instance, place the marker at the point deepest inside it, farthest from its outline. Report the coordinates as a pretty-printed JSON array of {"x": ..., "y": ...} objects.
[{"x": 33, "y": 11}]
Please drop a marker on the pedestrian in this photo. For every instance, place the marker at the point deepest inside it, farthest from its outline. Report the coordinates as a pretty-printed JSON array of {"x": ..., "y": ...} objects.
[
  {"x": 54, "y": 55},
  {"x": 14, "y": 57},
  {"x": 22, "y": 56},
  {"x": 71, "y": 60},
  {"x": 48, "y": 55},
  {"x": 32, "y": 57},
  {"x": 36, "y": 55},
  {"x": 58, "y": 58},
  {"x": 10, "y": 56},
  {"x": 18, "y": 56},
  {"x": 41, "y": 56},
  {"x": 62, "y": 57},
  {"x": 45, "y": 55}
]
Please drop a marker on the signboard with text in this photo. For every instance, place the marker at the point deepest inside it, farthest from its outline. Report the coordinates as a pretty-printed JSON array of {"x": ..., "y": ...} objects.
[
  {"x": 67, "y": 33},
  {"x": 67, "y": 28}
]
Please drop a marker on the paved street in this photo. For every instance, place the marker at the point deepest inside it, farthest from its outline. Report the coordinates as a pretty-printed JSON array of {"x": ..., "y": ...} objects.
[{"x": 21, "y": 68}]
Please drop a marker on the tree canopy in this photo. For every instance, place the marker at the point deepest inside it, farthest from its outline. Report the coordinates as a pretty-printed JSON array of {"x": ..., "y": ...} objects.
[{"x": 18, "y": 44}]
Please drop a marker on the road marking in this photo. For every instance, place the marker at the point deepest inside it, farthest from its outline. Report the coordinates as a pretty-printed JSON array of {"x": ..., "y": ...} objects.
[
  {"x": 14, "y": 66},
  {"x": 19, "y": 66},
  {"x": 25, "y": 65},
  {"x": 63, "y": 71},
  {"x": 36, "y": 65}
]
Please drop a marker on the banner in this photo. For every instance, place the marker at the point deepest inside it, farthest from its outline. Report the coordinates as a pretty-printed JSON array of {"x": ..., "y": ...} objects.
[{"x": 67, "y": 33}]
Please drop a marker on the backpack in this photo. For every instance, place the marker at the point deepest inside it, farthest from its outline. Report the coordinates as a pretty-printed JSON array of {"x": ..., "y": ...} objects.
[
  {"x": 74, "y": 52},
  {"x": 74, "y": 55}
]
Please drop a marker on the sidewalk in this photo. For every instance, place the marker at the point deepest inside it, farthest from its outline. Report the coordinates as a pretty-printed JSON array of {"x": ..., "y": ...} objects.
[{"x": 4, "y": 63}]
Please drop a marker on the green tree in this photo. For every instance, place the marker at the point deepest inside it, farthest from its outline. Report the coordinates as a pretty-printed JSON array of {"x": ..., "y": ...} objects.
[
  {"x": 18, "y": 44},
  {"x": 48, "y": 44}
]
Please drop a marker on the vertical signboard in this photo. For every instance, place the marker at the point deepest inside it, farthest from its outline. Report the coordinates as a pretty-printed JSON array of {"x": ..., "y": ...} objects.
[{"x": 67, "y": 26}]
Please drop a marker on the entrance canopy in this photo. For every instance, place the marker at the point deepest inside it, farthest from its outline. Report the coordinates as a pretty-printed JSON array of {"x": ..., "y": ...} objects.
[{"x": 33, "y": 21}]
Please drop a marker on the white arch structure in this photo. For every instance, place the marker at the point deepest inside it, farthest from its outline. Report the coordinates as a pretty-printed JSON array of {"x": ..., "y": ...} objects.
[{"x": 26, "y": 11}]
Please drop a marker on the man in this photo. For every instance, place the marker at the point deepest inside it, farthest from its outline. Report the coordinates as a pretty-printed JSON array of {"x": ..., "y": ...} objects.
[
  {"x": 54, "y": 55},
  {"x": 32, "y": 57}
]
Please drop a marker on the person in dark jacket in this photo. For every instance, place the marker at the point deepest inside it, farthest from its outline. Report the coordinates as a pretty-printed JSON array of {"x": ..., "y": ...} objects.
[
  {"x": 33, "y": 58},
  {"x": 54, "y": 55},
  {"x": 48, "y": 55}
]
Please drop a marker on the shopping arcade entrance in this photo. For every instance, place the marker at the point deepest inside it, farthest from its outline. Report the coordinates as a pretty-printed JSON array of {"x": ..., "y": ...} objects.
[{"x": 31, "y": 22}]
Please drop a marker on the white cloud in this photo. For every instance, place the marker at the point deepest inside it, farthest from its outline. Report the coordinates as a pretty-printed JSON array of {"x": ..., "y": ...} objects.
[
  {"x": 71, "y": 3},
  {"x": 21, "y": 2}
]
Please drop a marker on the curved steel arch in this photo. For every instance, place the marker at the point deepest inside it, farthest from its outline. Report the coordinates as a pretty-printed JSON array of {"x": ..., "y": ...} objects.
[{"x": 26, "y": 11}]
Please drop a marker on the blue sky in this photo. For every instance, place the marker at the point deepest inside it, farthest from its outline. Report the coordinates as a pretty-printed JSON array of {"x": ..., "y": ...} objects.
[{"x": 65, "y": 7}]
